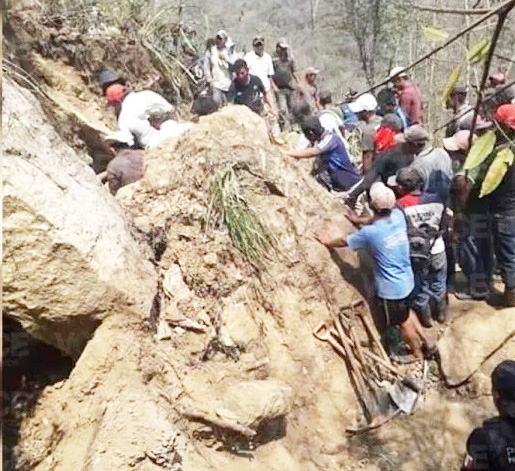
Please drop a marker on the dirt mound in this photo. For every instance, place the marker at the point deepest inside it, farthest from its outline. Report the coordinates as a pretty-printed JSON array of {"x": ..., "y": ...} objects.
[
  {"x": 231, "y": 334},
  {"x": 228, "y": 374}
]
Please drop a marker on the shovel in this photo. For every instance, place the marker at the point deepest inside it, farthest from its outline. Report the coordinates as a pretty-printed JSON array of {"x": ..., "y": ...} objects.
[{"x": 404, "y": 393}]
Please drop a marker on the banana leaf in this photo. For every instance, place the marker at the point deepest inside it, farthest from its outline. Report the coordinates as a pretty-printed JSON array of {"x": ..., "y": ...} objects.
[
  {"x": 480, "y": 150},
  {"x": 496, "y": 171}
]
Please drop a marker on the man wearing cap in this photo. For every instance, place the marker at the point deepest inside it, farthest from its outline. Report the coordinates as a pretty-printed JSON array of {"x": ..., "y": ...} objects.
[
  {"x": 402, "y": 155},
  {"x": 135, "y": 110},
  {"x": 435, "y": 167},
  {"x": 502, "y": 204},
  {"x": 260, "y": 62},
  {"x": 127, "y": 165},
  {"x": 462, "y": 112},
  {"x": 217, "y": 67},
  {"x": 385, "y": 237},
  {"x": 334, "y": 168},
  {"x": 365, "y": 107},
  {"x": 424, "y": 213},
  {"x": 308, "y": 89},
  {"x": 286, "y": 82},
  {"x": 410, "y": 98},
  {"x": 491, "y": 447}
]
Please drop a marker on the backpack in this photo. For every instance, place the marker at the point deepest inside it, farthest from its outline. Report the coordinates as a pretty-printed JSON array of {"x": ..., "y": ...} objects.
[{"x": 421, "y": 241}]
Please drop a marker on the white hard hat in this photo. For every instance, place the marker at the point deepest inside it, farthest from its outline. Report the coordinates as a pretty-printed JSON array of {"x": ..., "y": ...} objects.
[
  {"x": 398, "y": 72},
  {"x": 365, "y": 102}
]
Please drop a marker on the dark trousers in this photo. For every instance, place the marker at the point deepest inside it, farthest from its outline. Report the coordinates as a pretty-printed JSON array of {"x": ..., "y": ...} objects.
[
  {"x": 476, "y": 253},
  {"x": 503, "y": 226}
]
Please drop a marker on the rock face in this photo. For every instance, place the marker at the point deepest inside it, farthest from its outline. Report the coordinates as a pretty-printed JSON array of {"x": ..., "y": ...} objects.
[
  {"x": 473, "y": 340},
  {"x": 69, "y": 259}
]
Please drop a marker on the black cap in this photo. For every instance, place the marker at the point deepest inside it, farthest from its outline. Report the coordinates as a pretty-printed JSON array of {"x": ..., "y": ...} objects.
[
  {"x": 311, "y": 125},
  {"x": 503, "y": 380},
  {"x": 409, "y": 178},
  {"x": 459, "y": 90},
  {"x": 108, "y": 77}
]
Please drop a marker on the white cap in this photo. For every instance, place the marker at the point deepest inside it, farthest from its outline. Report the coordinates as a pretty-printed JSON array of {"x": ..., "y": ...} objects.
[
  {"x": 381, "y": 196},
  {"x": 365, "y": 102},
  {"x": 222, "y": 33},
  {"x": 398, "y": 72},
  {"x": 121, "y": 136}
]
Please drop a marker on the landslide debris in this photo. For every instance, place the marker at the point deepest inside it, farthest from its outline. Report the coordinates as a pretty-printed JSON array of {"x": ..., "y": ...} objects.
[{"x": 69, "y": 257}]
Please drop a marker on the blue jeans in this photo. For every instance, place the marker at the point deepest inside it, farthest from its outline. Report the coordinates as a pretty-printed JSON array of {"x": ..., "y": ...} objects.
[
  {"x": 430, "y": 283},
  {"x": 504, "y": 244}
]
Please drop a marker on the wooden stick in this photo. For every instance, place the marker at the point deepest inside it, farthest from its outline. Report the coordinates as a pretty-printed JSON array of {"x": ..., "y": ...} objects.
[
  {"x": 382, "y": 362},
  {"x": 451, "y": 11},
  {"x": 375, "y": 337}
]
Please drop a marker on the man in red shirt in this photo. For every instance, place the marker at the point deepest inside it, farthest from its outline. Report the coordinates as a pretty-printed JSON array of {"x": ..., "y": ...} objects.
[{"x": 410, "y": 98}]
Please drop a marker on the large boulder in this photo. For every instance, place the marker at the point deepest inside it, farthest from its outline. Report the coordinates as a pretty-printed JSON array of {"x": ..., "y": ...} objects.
[
  {"x": 69, "y": 257},
  {"x": 474, "y": 338}
]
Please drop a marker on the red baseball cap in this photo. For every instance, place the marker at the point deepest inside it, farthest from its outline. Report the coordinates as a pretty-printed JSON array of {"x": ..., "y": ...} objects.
[
  {"x": 505, "y": 114},
  {"x": 114, "y": 93}
]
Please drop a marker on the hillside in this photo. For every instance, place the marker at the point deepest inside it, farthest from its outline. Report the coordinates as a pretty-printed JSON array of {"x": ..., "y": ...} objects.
[{"x": 171, "y": 327}]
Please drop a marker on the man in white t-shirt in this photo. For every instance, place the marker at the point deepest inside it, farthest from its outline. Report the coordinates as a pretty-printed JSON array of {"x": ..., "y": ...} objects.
[
  {"x": 260, "y": 63},
  {"x": 331, "y": 120},
  {"x": 145, "y": 115}
]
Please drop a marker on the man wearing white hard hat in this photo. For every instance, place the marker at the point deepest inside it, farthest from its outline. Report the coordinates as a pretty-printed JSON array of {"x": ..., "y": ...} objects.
[
  {"x": 410, "y": 98},
  {"x": 365, "y": 107}
]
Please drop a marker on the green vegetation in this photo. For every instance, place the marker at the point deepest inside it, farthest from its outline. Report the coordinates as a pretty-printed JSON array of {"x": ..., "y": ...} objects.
[{"x": 248, "y": 231}]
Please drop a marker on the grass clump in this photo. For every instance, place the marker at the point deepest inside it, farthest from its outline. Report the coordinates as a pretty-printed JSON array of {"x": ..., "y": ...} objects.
[{"x": 248, "y": 231}]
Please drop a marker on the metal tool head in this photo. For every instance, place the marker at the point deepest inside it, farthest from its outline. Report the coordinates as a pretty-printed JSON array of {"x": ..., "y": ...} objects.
[
  {"x": 322, "y": 332},
  {"x": 404, "y": 396}
]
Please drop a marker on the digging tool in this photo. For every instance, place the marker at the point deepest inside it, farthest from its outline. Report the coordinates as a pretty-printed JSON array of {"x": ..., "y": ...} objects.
[
  {"x": 404, "y": 393},
  {"x": 325, "y": 333},
  {"x": 371, "y": 330},
  {"x": 358, "y": 369}
]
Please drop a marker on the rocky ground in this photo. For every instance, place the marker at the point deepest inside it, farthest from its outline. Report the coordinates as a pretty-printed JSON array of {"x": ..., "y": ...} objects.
[{"x": 186, "y": 354}]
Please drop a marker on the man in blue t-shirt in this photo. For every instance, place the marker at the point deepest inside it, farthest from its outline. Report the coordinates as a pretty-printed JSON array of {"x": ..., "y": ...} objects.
[
  {"x": 334, "y": 169},
  {"x": 385, "y": 237}
]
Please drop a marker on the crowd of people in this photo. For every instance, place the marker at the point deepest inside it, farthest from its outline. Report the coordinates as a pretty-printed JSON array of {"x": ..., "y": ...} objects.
[{"x": 418, "y": 211}]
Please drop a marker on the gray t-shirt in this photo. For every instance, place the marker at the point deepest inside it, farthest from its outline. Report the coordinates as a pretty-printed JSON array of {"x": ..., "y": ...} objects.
[
  {"x": 367, "y": 134},
  {"x": 435, "y": 167}
]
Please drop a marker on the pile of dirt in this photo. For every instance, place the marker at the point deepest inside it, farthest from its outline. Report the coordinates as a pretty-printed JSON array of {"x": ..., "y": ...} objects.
[
  {"x": 229, "y": 376},
  {"x": 227, "y": 335}
]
